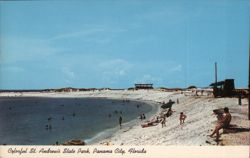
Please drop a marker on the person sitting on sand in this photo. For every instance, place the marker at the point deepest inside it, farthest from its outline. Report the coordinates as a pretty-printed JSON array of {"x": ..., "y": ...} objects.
[
  {"x": 224, "y": 122},
  {"x": 169, "y": 113},
  {"x": 157, "y": 119},
  {"x": 182, "y": 118}
]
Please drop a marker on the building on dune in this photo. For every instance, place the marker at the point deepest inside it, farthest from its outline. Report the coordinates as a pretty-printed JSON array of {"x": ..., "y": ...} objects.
[{"x": 144, "y": 86}]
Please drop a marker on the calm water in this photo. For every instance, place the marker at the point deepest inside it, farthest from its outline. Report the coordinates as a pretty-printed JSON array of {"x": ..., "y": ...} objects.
[{"x": 23, "y": 120}]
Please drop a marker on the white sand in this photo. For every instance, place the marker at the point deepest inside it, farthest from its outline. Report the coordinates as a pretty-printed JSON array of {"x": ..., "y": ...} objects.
[
  {"x": 146, "y": 95},
  {"x": 199, "y": 110},
  {"x": 199, "y": 123}
]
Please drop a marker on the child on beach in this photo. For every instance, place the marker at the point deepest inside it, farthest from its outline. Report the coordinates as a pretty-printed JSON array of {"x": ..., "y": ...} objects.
[{"x": 182, "y": 118}]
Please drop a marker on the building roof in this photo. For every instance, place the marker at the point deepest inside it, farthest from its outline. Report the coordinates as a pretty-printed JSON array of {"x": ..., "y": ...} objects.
[{"x": 220, "y": 83}]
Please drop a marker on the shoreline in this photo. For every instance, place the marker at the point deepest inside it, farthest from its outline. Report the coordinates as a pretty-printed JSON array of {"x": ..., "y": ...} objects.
[{"x": 102, "y": 137}]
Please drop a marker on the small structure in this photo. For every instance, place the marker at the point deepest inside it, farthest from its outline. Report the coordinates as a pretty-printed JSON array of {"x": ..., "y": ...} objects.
[
  {"x": 144, "y": 86},
  {"x": 67, "y": 89},
  {"x": 224, "y": 88}
]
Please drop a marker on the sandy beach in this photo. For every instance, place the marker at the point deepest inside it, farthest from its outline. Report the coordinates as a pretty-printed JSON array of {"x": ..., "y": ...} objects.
[{"x": 199, "y": 123}]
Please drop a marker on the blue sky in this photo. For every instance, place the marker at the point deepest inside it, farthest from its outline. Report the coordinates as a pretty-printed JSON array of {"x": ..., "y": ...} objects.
[{"x": 110, "y": 43}]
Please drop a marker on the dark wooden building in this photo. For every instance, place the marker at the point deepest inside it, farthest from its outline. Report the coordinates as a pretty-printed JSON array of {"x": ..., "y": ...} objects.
[
  {"x": 144, "y": 86},
  {"x": 224, "y": 88}
]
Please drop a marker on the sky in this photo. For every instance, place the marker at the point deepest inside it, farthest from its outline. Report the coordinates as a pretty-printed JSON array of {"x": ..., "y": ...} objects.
[{"x": 110, "y": 43}]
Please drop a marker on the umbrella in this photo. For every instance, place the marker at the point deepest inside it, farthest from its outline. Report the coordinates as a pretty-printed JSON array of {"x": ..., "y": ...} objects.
[{"x": 167, "y": 105}]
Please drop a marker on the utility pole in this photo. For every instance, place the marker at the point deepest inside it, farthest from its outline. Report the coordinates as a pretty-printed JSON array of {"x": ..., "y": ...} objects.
[
  {"x": 216, "y": 73},
  {"x": 215, "y": 83}
]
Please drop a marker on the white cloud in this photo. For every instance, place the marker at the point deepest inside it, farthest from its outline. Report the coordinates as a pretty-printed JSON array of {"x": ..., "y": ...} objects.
[
  {"x": 176, "y": 68},
  {"x": 77, "y": 34},
  {"x": 115, "y": 67},
  {"x": 113, "y": 70},
  {"x": 23, "y": 49},
  {"x": 69, "y": 74},
  {"x": 93, "y": 34}
]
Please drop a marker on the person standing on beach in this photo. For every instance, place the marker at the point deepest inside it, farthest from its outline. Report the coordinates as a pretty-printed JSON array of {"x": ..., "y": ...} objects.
[
  {"x": 163, "y": 122},
  {"x": 120, "y": 121},
  {"x": 182, "y": 118}
]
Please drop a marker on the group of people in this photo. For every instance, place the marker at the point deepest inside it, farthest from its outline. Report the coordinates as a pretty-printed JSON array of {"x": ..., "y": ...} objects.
[
  {"x": 142, "y": 116},
  {"x": 223, "y": 122},
  {"x": 182, "y": 117},
  {"x": 170, "y": 112}
]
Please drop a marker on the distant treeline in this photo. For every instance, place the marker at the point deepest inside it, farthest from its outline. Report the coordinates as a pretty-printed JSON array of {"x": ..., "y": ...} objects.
[{"x": 68, "y": 89}]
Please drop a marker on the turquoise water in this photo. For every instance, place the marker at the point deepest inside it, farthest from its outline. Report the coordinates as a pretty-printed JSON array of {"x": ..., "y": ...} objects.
[{"x": 27, "y": 120}]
